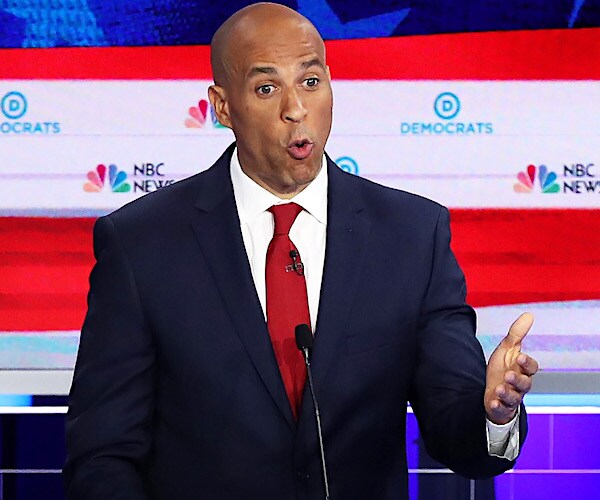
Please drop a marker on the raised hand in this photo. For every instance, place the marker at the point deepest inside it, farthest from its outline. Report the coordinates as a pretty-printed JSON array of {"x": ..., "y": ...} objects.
[{"x": 509, "y": 373}]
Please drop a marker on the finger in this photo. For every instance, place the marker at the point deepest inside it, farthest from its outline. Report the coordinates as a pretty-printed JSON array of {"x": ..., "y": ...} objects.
[
  {"x": 518, "y": 330},
  {"x": 500, "y": 408},
  {"x": 500, "y": 413},
  {"x": 529, "y": 366},
  {"x": 508, "y": 396},
  {"x": 519, "y": 382}
]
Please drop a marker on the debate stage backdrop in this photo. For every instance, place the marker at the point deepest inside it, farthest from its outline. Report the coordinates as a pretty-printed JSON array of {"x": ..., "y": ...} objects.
[{"x": 489, "y": 107}]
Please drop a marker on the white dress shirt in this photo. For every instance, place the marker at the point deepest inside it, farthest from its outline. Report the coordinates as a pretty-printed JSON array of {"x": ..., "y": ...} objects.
[
  {"x": 309, "y": 235},
  {"x": 308, "y": 232}
]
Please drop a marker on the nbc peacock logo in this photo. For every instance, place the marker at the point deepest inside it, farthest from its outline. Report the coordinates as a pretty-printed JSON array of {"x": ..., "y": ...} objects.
[
  {"x": 546, "y": 180},
  {"x": 198, "y": 115},
  {"x": 117, "y": 180}
]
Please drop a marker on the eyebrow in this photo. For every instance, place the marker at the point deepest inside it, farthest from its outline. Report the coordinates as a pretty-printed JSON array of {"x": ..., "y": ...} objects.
[
  {"x": 262, "y": 70},
  {"x": 311, "y": 63},
  {"x": 270, "y": 70}
]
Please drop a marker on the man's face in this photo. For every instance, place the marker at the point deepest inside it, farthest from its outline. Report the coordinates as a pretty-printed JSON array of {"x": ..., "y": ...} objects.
[{"x": 278, "y": 101}]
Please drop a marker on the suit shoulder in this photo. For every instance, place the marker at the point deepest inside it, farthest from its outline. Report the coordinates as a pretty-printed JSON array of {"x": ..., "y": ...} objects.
[
  {"x": 171, "y": 204},
  {"x": 165, "y": 203},
  {"x": 391, "y": 200}
]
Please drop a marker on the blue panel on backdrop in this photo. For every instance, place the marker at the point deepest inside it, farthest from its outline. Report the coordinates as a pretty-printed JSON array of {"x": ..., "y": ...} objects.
[
  {"x": 547, "y": 486},
  {"x": 15, "y": 400},
  {"x": 577, "y": 443},
  {"x": 562, "y": 400},
  {"x": 535, "y": 453},
  {"x": 51, "y": 23},
  {"x": 12, "y": 30}
]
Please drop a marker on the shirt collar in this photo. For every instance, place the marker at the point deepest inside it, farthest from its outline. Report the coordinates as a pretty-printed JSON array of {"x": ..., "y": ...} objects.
[{"x": 252, "y": 199}]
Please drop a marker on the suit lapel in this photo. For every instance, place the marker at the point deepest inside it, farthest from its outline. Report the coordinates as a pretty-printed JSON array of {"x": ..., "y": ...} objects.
[
  {"x": 217, "y": 229},
  {"x": 347, "y": 238}
]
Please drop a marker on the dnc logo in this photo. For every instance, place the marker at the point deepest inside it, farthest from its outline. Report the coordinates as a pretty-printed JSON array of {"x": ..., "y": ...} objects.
[
  {"x": 13, "y": 105},
  {"x": 117, "y": 180},
  {"x": 197, "y": 116},
  {"x": 446, "y": 105},
  {"x": 546, "y": 180}
]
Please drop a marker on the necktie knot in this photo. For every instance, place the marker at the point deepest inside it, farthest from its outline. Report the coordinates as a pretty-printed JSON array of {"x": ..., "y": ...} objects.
[{"x": 284, "y": 216}]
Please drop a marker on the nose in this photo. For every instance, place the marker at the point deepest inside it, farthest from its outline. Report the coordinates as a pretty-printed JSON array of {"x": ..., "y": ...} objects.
[{"x": 292, "y": 107}]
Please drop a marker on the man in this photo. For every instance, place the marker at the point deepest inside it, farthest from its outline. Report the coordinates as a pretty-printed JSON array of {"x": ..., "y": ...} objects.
[{"x": 187, "y": 387}]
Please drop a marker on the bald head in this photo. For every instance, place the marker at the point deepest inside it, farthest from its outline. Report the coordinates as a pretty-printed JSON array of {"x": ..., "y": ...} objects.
[
  {"x": 249, "y": 26},
  {"x": 273, "y": 89}
]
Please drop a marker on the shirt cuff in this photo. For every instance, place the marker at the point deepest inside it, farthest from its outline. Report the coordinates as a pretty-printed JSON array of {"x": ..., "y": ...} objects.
[{"x": 503, "y": 440}]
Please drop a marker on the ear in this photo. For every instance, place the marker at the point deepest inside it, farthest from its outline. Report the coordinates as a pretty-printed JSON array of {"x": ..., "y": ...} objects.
[
  {"x": 218, "y": 99},
  {"x": 328, "y": 72}
]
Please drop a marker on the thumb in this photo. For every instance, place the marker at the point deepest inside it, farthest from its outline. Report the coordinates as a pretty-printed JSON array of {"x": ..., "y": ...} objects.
[{"x": 519, "y": 329}]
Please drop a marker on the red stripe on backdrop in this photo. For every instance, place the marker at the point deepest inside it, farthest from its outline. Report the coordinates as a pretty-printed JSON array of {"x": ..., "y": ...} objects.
[
  {"x": 508, "y": 55},
  {"x": 534, "y": 255},
  {"x": 509, "y": 256},
  {"x": 44, "y": 264}
]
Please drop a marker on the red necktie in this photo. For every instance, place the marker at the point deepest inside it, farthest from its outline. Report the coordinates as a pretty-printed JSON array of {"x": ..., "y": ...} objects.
[{"x": 287, "y": 302}]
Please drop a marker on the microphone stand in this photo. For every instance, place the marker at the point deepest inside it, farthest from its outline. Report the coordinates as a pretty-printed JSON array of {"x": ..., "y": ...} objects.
[{"x": 304, "y": 341}]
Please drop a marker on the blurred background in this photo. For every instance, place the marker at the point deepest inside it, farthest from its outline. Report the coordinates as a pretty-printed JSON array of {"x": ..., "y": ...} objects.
[{"x": 491, "y": 108}]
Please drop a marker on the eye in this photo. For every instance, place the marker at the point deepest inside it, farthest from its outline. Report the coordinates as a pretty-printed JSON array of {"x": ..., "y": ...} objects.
[
  {"x": 265, "y": 90},
  {"x": 311, "y": 82}
]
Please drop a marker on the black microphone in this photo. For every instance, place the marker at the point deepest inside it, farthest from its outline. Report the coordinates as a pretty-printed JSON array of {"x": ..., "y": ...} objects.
[
  {"x": 297, "y": 265},
  {"x": 304, "y": 341}
]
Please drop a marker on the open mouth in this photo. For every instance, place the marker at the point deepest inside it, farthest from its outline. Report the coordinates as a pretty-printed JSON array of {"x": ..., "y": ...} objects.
[{"x": 300, "y": 149}]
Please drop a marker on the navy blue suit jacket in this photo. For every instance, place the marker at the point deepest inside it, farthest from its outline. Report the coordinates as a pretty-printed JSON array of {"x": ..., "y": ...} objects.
[{"x": 177, "y": 393}]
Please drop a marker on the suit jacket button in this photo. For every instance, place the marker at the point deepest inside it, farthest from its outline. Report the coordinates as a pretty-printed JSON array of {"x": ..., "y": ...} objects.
[{"x": 303, "y": 475}]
